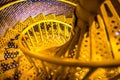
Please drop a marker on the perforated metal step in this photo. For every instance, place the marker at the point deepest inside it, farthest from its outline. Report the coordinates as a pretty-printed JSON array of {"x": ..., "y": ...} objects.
[{"x": 50, "y": 35}]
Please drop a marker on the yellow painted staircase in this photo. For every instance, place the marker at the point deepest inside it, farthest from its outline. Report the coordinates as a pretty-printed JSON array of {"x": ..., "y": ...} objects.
[
  {"x": 46, "y": 31},
  {"x": 45, "y": 47}
]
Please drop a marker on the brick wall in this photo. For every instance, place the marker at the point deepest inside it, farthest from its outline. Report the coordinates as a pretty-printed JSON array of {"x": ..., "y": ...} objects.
[{"x": 20, "y": 11}]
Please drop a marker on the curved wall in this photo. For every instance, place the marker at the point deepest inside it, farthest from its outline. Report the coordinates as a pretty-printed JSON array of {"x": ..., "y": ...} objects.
[
  {"x": 20, "y": 11},
  {"x": 3, "y": 2}
]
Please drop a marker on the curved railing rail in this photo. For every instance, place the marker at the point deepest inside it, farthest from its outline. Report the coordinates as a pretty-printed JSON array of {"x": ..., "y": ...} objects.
[
  {"x": 37, "y": 32},
  {"x": 43, "y": 21},
  {"x": 63, "y": 61},
  {"x": 11, "y": 3},
  {"x": 68, "y": 2}
]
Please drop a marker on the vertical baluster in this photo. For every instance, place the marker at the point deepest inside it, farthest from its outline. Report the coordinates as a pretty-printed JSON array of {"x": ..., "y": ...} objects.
[
  {"x": 44, "y": 68},
  {"x": 34, "y": 34},
  {"x": 27, "y": 44},
  {"x": 52, "y": 29},
  {"x": 65, "y": 31},
  {"x": 58, "y": 28},
  {"x": 32, "y": 62},
  {"x": 30, "y": 39},
  {"x": 24, "y": 44},
  {"x": 89, "y": 73},
  {"x": 69, "y": 32},
  {"x": 46, "y": 30},
  {"x": 40, "y": 31}
]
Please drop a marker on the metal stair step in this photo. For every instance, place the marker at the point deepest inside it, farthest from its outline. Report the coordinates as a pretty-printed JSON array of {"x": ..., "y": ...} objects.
[
  {"x": 19, "y": 26},
  {"x": 29, "y": 21},
  {"x": 10, "y": 33},
  {"x": 50, "y": 16},
  {"x": 39, "y": 17}
]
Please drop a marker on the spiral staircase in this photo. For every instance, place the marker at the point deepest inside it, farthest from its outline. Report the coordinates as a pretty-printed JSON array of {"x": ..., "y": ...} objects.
[{"x": 41, "y": 48}]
